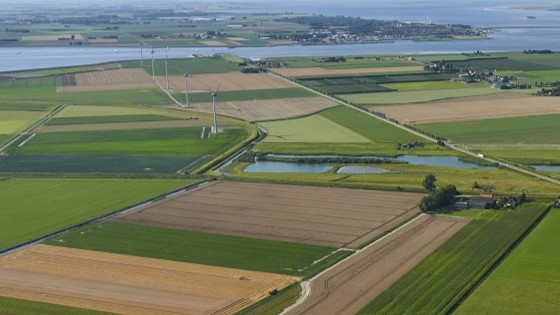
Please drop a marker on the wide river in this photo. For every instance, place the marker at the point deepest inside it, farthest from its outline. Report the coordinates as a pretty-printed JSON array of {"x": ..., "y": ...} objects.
[
  {"x": 25, "y": 58},
  {"x": 515, "y": 33}
]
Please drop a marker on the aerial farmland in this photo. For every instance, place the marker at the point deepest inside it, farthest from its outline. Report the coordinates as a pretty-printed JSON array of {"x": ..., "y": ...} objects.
[{"x": 279, "y": 179}]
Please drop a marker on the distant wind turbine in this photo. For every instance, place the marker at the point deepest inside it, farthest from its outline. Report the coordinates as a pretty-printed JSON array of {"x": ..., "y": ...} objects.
[{"x": 214, "y": 97}]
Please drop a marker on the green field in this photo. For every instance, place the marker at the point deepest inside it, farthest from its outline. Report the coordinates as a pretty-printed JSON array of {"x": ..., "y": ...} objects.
[
  {"x": 436, "y": 284},
  {"x": 42, "y": 95},
  {"x": 429, "y": 85},
  {"x": 528, "y": 281},
  {"x": 523, "y": 153},
  {"x": 15, "y": 121},
  {"x": 402, "y": 176},
  {"x": 369, "y": 83},
  {"x": 47, "y": 81},
  {"x": 167, "y": 141},
  {"x": 24, "y": 307},
  {"x": 92, "y": 110},
  {"x": 106, "y": 119},
  {"x": 313, "y": 129},
  {"x": 182, "y": 66},
  {"x": 414, "y": 96},
  {"x": 541, "y": 129},
  {"x": 195, "y": 247},
  {"x": 532, "y": 77},
  {"x": 246, "y": 95},
  {"x": 34, "y": 207},
  {"x": 499, "y": 63},
  {"x": 350, "y": 63}
]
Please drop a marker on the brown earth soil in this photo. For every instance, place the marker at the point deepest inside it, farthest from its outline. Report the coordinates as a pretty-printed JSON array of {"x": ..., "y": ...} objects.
[
  {"x": 120, "y": 79},
  {"x": 231, "y": 81},
  {"x": 317, "y": 71},
  {"x": 261, "y": 110},
  {"x": 129, "y": 284},
  {"x": 350, "y": 285},
  {"x": 470, "y": 108},
  {"x": 124, "y": 125},
  {"x": 314, "y": 215}
]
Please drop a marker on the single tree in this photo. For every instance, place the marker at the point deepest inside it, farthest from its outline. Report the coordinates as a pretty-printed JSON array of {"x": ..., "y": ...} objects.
[{"x": 429, "y": 182}]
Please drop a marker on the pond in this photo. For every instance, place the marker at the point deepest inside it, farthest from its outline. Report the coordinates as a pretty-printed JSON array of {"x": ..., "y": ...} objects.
[
  {"x": 354, "y": 169},
  {"x": 286, "y": 167},
  {"x": 547, "y": 168},
  {"x": 443, "y": 161}
]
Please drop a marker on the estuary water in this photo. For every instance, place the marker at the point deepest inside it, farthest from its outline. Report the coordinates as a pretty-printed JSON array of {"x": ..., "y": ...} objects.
[{"x": 513, "y": 32}]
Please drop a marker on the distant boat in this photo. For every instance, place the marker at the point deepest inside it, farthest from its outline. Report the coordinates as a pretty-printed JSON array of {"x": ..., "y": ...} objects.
[
  {"x": 19, "y": 52},
  {"x": 530, "y": 17},
  {"x": 116, "y": 50}
]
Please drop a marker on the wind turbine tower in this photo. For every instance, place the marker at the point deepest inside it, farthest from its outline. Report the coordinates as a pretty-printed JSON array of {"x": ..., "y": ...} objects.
[
  {"x": 166, "y": 62},
  {"x": 153, "y": 70},
  {"x": 142, "y": 54},
  {"x": 186, "y": 90},
  {"x": 215, "y": 126}
]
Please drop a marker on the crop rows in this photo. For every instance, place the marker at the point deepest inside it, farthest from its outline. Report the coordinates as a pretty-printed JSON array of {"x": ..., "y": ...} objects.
[{"x": 441, "y": 280}]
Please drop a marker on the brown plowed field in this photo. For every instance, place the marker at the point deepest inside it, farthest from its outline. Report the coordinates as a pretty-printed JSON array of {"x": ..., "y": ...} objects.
[
  {"x": 260, "y": 110},
  {"x": 314, "y": 215},
  {"x": 349, "y": 286},
  {"x": 124, "y": 125},
  {"x": 231, "y": 81},
  {"x": 317, "y": 71},
  {"x": 469, "y": 108},
  {"x": 129, "y": 284},
  {"x": 120, "y": 79}
]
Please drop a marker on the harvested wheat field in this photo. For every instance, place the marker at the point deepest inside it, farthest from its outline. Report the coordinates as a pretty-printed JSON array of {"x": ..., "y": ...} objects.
[
  {"x": 349, "y": 286},
  {"x": 129, "y": 284},
  {"x": 470, "y": 108},
  {"x": 231, "y": 81},
  {"x": 261, "y": 110},
  {"x": 314, "y": 215},
  {"x": 318, "y": 71},
  {"x": 119, "y": 79}
]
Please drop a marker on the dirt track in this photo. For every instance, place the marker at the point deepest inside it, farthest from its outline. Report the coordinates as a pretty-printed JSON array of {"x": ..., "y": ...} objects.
[
  {"x": 260, "y": 110},
  {"x": 130, "y": 285},
  {"x": 314, "y": 215},
  {"x": 349, "y": 286},
  {"x": 318, "y": 71},
  {"x": 469, "y": 108},
  {"x": 230, "y": 81}
]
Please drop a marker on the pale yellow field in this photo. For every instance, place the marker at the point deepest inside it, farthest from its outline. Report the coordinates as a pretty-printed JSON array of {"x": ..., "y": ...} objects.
[
  {"x": 231, "y": 81},
  {"x": 129, "y": 284}
]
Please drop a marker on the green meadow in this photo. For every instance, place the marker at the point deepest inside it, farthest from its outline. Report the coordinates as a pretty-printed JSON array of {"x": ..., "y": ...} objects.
[
  {"x": 34, "y": 207},
  {"x": 528, "y": 280},
  {"x": 404, "y": 97},
  {"x": 542, "y": 129},
  {"x": 195, "y": 247}
]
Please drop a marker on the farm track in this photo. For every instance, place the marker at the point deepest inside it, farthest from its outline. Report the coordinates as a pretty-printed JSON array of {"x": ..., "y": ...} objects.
[
  {"x": 348, "y": 286},
  {"x": 313, "y": 215},
  {"x": 129, "y": 284}
]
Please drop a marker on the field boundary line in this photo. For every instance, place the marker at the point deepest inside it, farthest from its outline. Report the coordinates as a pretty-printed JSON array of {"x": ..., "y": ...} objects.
[
  {"x": 26, "y": 140},
  {"x": 20, "y": 246},
  {"x": 168, "y": 94},
  {"x": 306, "y": 285}
]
